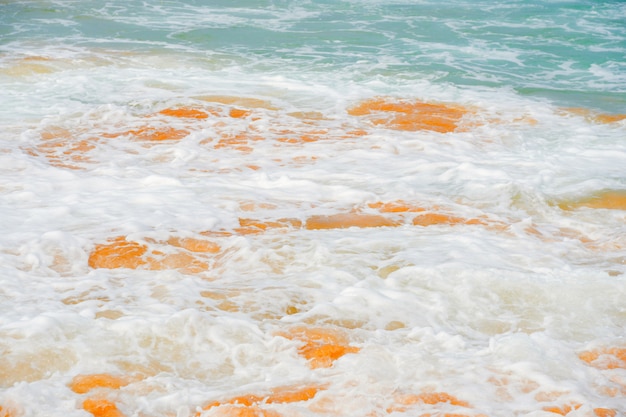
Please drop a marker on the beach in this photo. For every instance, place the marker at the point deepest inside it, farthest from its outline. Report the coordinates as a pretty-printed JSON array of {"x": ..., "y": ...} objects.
[{"x": 350, "y": 208}]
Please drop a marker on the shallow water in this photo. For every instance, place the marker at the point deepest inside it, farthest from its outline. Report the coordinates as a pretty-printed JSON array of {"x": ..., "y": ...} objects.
[{"x": 317, "y": 209}]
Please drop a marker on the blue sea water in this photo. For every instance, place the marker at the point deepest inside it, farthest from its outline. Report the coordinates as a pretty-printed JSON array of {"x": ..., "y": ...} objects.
[
  {"x": 570, "y": 52},
  {"x": 165, "y": 167}
]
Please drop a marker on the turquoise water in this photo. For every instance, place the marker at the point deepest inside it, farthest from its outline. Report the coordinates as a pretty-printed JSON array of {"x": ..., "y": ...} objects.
[
  {"x": 312, "y": 208},
  {"x": 570, "y": 52}
]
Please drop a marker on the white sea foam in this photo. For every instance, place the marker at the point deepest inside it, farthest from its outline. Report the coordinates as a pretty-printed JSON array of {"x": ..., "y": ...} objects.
[{"x": 492, "y": 305}]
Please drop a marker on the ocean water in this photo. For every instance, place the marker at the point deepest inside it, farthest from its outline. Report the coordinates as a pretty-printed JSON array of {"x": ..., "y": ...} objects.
[{"x": 315, "y": 208}]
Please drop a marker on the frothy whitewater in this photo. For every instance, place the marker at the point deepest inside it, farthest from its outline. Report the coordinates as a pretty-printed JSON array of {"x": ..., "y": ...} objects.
[{"x": 348, "y": 208}]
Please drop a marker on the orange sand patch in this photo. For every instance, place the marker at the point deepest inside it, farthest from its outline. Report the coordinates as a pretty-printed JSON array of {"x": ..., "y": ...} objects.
[
  {"x": 609, "y": 118},
  {"x": 604, "y": 412},
  {"x": 403, "y": 209},
  {"x": 68, "y": 150},
  {"x": 252, "y": 206},
  {"x": 406, "y": 400},
  {"x": 595, "y": 117},
  {"x": 251, "y": 405},
  {"x": 216, "y": 233},
  {"x": 251, "y": 226},
  {"x": 101, "y": 407},
  {"x": 30, "y": 65},
  {"x": 240, "y": 142},
  {"x": 5, "y": 412},
  {"x": 346, "y": 220},
  {"x": 304, "y": 159},
  {"x": 62, "y": 148},
  {"x": 119, "y": 253},
  {"x": 568, "y": 408},
  {"x": 610, "y": 358},
  {"x": 395, "y": 207},
  {"x": 410, "y": 115},
  {"x": 609, "y": 199},
  {"x": 614, "y": 389},
  {"x": 82, "y": 384},
  {"x": 239, "y": 113},
  {"x": 194, "y": 245},
  {"x": 291, "y": 395},
  {"x": 184, "y": 262},
  {"x": 54, "y": 133},
  {"x": 563, "y": 409},
  {"x": 295, "y": 137},
  {"x": 430, "y": 219},
  {"x": 307, "y": 115},
  {"x": 431, "y": 398},
  {"x": 184, "y": 254},
  {"x": 393, "y": 214},
  {"x": 184, "y": 112},
  {"x": 355, "y": 133},
  {"x": 158, "y": 134},
  {"x": 321, "y": 347},
  {"x": 82, "y": 146}
]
